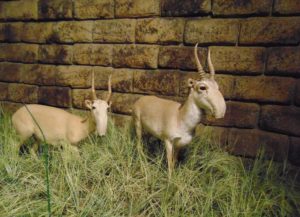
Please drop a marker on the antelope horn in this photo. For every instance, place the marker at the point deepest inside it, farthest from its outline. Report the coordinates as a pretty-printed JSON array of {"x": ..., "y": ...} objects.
[
  {"x": 109, "y": 89},
  {"x": 199, "y": 66},
  {"x": 94, "y": 96},
  {"x": 210, "y": 66}
]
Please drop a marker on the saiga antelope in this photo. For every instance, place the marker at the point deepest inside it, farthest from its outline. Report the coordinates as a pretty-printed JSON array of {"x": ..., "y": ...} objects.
[
  {"x": 60, "y": 126},
  {"x": 174, "y": 123}
]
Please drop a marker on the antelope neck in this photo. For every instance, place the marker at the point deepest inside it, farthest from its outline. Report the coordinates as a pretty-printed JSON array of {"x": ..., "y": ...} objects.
[
  {"x": 189, "y": 114},
  {"x": 90, "y": 123}
]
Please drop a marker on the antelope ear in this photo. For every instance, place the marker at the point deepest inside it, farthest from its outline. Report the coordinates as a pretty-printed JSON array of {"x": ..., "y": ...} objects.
[
  {"x": 88, "y": 104},
  {"x": 191, "y": 83}
]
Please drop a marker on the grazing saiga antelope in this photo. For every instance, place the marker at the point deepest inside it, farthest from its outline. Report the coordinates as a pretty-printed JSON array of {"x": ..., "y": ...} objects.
[
  {"x": 60, "y": 126},
  {"x": 174, "y": 123}
]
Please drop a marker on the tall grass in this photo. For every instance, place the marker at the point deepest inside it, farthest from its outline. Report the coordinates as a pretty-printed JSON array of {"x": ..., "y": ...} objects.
[{"x": 114, "y": 178}]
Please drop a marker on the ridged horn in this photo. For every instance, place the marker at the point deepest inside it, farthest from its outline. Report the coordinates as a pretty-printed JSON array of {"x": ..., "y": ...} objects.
[
  {"x": 210, "y": 66},
  {"x": 109, "y": 89},
  {"x": 199, "y": 66},
  {"x": 94, "y": 96}
]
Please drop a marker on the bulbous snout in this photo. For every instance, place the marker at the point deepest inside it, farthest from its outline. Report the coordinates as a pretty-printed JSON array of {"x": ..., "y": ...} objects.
[
  {"x": 101, "y": 124},
  {"x": 219, "y": 105},
  {"x": 102, "y": 129}
]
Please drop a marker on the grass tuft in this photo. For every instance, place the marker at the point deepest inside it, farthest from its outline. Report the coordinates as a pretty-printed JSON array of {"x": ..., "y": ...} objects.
[{"x": 116, "y": 178}]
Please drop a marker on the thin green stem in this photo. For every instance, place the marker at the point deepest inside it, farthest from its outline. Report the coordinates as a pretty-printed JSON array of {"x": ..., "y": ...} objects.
[{"x": 46, "y": 158}]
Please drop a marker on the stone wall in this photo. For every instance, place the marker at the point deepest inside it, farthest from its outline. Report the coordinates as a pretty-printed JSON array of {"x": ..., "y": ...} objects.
[{"x": 50, "y": 47}]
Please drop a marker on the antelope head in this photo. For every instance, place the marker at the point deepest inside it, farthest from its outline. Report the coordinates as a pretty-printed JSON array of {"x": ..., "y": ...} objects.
[
  {"x": 99, "y": 107},
  {"x": 205, "y": 90}
]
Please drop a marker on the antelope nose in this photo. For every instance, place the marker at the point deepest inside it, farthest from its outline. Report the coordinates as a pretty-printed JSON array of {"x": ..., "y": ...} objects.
[{"x": 218, "y": 116}]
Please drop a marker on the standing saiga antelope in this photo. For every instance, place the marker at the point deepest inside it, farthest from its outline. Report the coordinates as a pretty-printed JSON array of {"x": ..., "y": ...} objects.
[
  {"x": 59, "y": 126},
  {"x": 174, "y": 123}
]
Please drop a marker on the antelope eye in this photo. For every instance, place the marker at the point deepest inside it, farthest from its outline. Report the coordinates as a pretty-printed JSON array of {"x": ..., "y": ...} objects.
[
  {"x": 202, "y": 88},
  {"x": 93, "y": 107}
]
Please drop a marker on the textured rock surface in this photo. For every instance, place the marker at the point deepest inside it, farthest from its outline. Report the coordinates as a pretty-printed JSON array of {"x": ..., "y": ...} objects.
[
  {"x": 10, "y": 72},
  {"x": 55, "y": 96},
  {"x": 282, "y": 119},
  {"x": 159, "y": 30},
  {"x": 114, "y": 30},
  {"x": 135, "y": 56},
  {"x": 86, "y": 9},
  {"x": 206, "y": 31},
  {"x": 180, "y": 57},
  {"x": 264, "y": 89},
  {"x": 23, "y": 93},
  {"x": 92, "y": 54},
  {"x": 284, "y": 60},
  {"x": 59, "y": 54},
  {"x": 273, "y": 30},
  {"x": 240, "y": 60},
  {"x": 11, "y": 32},
  {"x": 287, "y": 6},
  {"x": 55, "y": 9},
  {"x": 27, "y": 53},
  {"x": 137, "y": 8},
  {"x": 185, "y": 8},
  {"x": 241, "y": 7}
]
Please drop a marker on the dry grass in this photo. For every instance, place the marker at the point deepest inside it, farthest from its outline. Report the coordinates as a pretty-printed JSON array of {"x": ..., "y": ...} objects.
[{"x": 113, "y": 178}]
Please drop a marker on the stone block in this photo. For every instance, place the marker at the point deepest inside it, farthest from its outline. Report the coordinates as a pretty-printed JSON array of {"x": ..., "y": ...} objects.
[
  {"x": 72, "y": 31},
  {"x": 55, "y": 9},
  {"x": 137, "y": 8},
  {"x": 264, "y": 89},
  {"x": 78, "y": 97},
  {"x": 3, "y": 91},
  {"x": 11, "y": 32},
  {"x": 286, "y": 7},
  {"x": 212, "y": 134},
  {"x": 55, "y": 96},
  {"x": 270, "y": 30},
  {"x": 90, "y": 9},
  {"x": 2, "y": 10},
  {"x": 37, "y": 32},
  {"x": 93, "y": 54},
  {"x": 238, "y": 114},
  {"x": 250, "y": 142},
  {"x": 178, "y": 57},
  {"x": 135, "y": 56},
  {"x": 238, "y": 60},
  {"x": 240, "y": 7},
  {"x": 283, "y": 60},
  {"x": 122, "y": 103},
  {"x": 74, "y": 76},
  {"x": 162, "y": 82},
  {"x": 122, "y": 30},
  {"x": 206, "y": 31},
  {"x": 27, "y": 53},
  {"x": 10, "y": 72},
  {"x": 294, "y": 151},
  {"x": 21, "y": 10},
  {"x": 159, "y": 30},
  {"x": 10, "y": 107},
  {"x": 281, "y": 119},
  {"x": 185, "y": 8},
  {"x": 38, "y": 74},
  {"x": 58, "y": 54},
  {"x": 22, "y": 93},
  {"x": 121, "y": 80}
]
